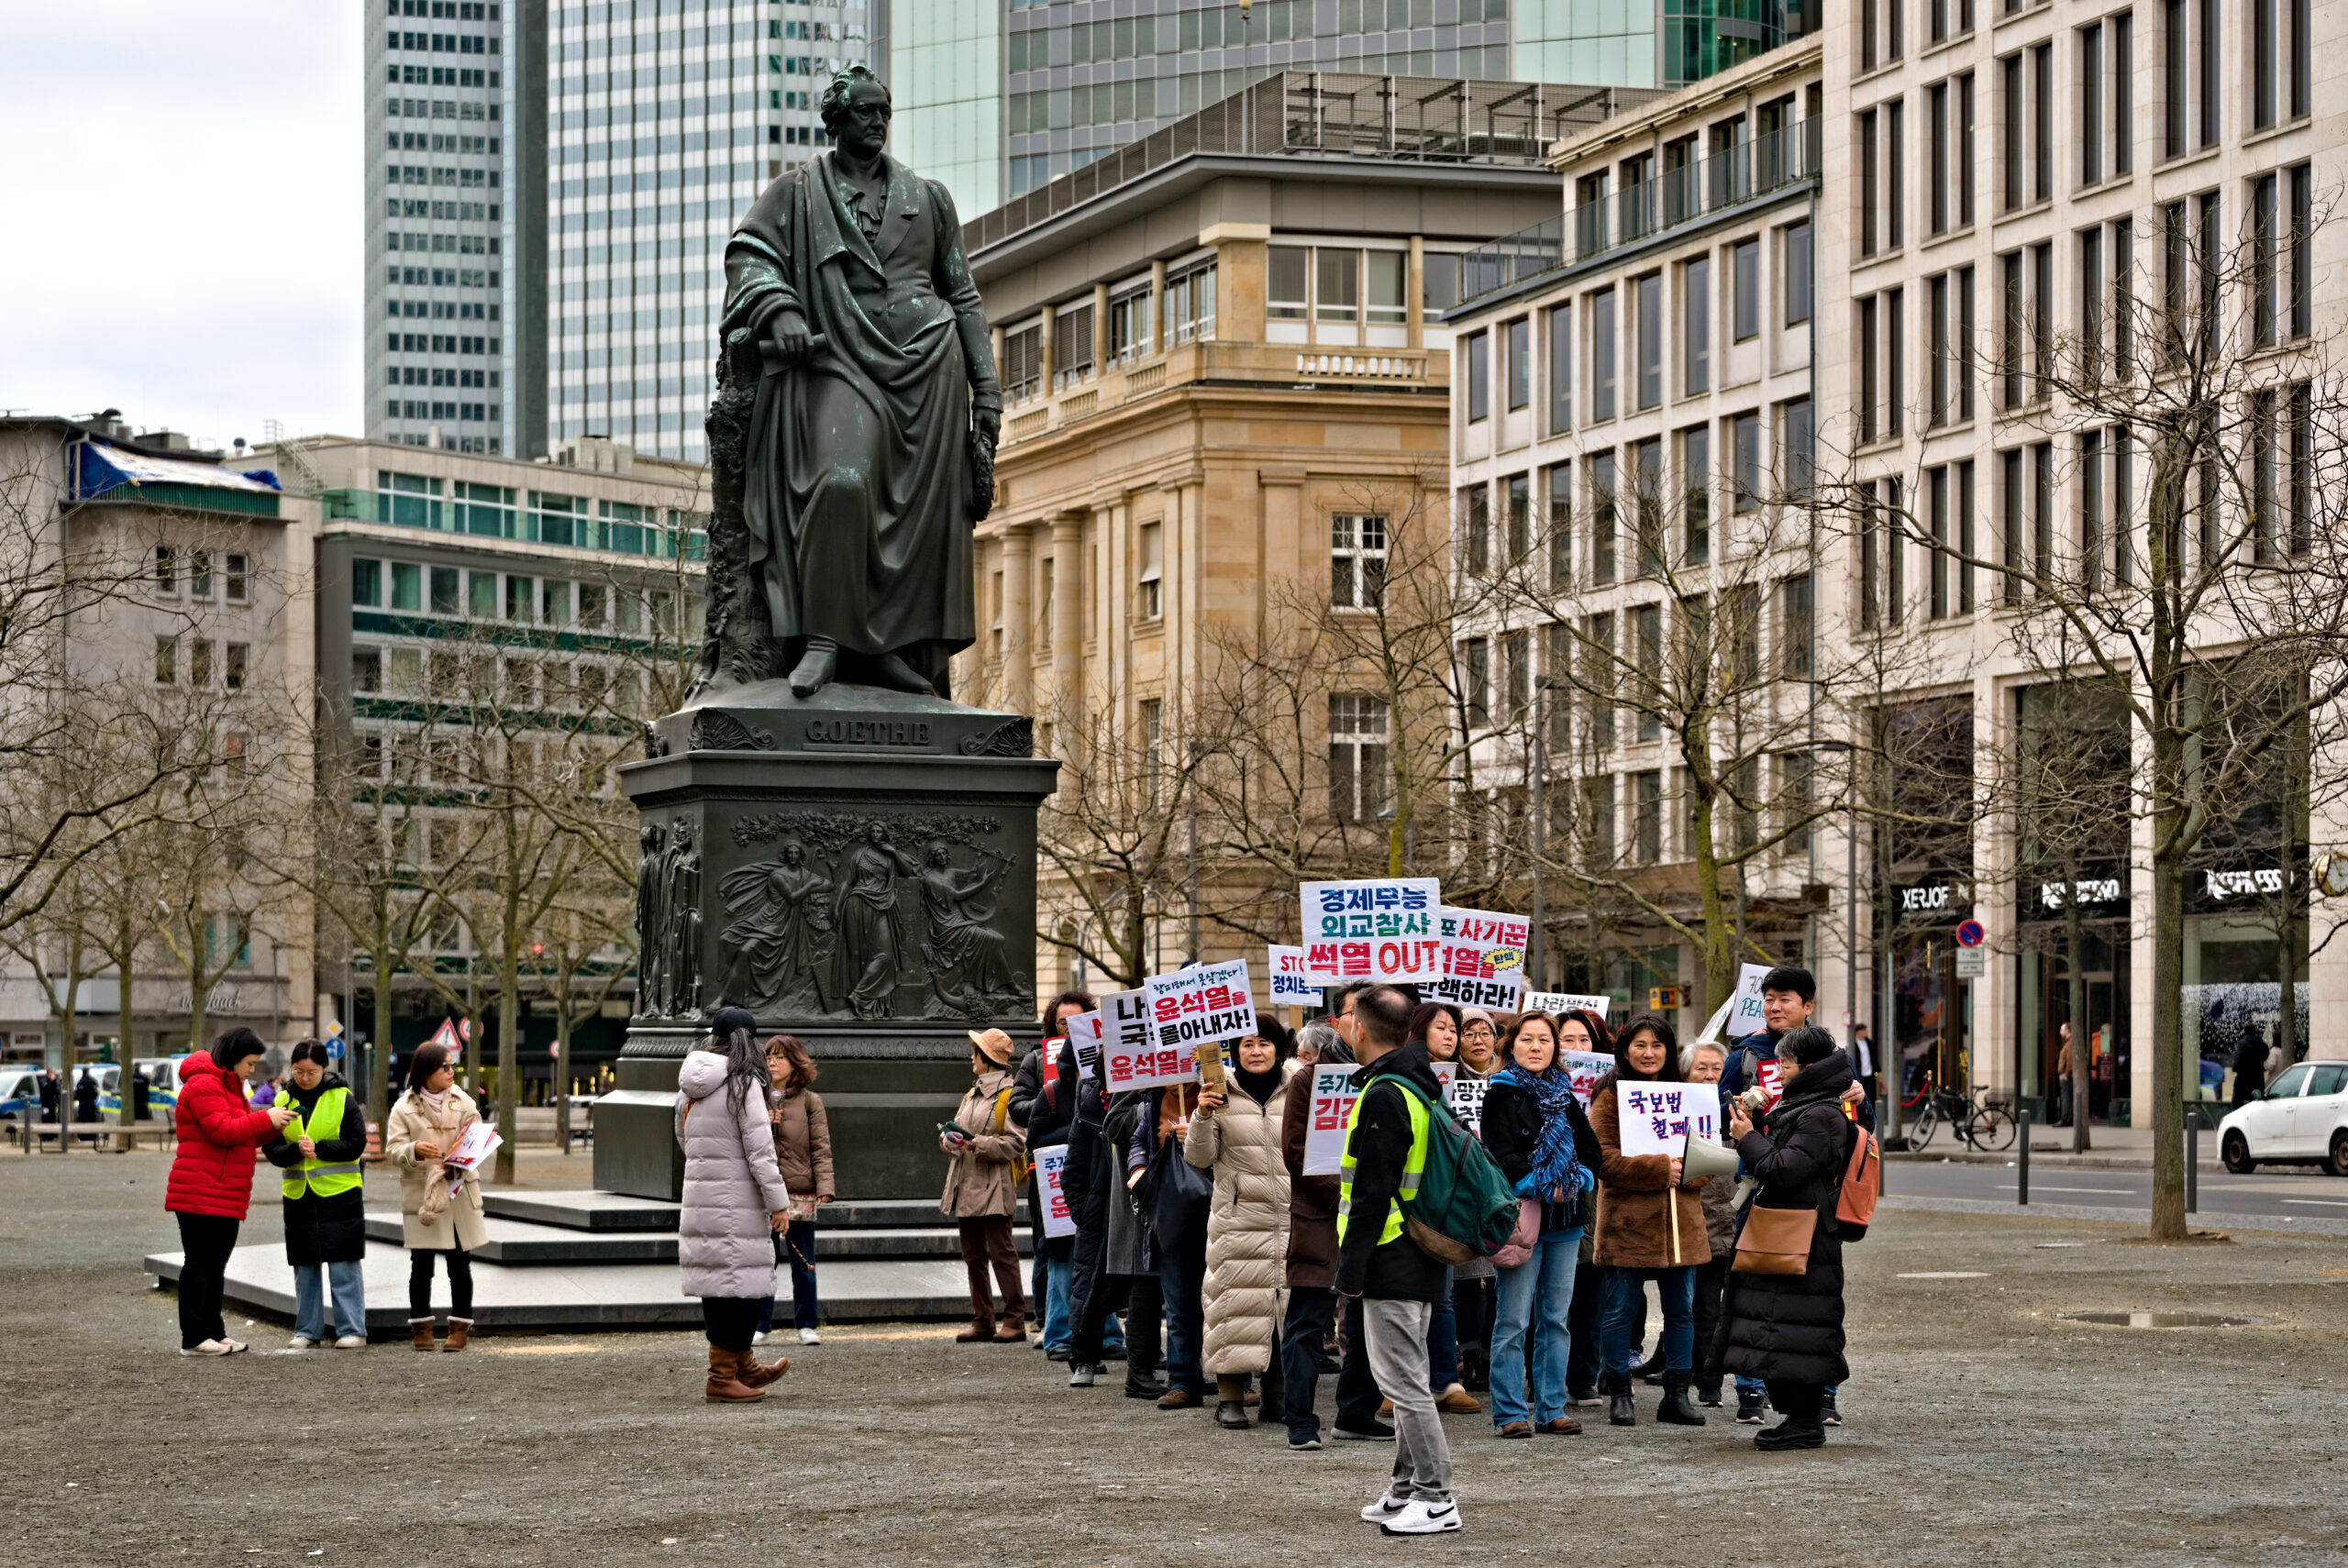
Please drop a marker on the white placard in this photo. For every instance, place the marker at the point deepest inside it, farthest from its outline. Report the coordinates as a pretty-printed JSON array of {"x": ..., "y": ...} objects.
[
  {"x": 1556, "y": 1004},
  {"x": 1745, "y": 1016},
  {"x": 1051, "y": 1168},
  {"x": 1483, "y": 958},
  {"x": 1332, "y": 1103},
  {"x": 1658, "y": 1119},
  {"x": 1381, "y": 930},
  {"x": 1084, "y": 1033},
  {"x": 1467, "y": 1102},
  {"x": 1293, "y": 985},
  {"x": 477, "y": 1143},
  {"x": 1129, "y": 1055},
  {"x": 1206, "y": 1002},
  {"x": 1583, "y": 1069}
]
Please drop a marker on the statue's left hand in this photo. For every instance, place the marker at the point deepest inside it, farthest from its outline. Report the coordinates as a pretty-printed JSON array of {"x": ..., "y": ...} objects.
[{"x": 991, "y": 425}]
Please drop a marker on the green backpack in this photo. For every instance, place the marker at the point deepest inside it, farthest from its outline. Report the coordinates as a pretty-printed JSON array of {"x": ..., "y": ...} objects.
[{"x": 1464, "y": 1208}]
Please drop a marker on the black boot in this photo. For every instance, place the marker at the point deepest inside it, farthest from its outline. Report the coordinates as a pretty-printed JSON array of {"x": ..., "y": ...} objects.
[
  {"x": 1620, "y": 1410},
  {"x": 1475, "y": 1369},
  {"x": 1143, "y": 1385},
  {"x": 1674, "y": 1411},
  {"x": 1273, "y": 1411},
  {"x": 1802, "y": 1427}
]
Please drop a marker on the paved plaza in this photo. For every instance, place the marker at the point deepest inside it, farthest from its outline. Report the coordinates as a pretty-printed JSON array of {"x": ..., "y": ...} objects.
[{"x": 1981, "y": 1427}]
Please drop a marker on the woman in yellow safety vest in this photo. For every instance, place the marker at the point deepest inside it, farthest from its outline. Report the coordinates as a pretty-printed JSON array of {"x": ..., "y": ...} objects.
[{"x": 326, "y": 1220}]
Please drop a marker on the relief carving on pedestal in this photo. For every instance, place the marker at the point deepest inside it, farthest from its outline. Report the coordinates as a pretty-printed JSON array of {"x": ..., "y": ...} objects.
[
  {"x": 667, "y": 921},
  {"x": 846, "y": 918}
]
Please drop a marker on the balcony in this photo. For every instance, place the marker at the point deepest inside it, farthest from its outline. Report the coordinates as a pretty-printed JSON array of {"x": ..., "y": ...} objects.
[{"x": 1271, "y": 366}]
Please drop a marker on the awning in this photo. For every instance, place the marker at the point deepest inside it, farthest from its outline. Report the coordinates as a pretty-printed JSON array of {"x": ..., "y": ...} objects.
[{"x": 103, "y": 472}]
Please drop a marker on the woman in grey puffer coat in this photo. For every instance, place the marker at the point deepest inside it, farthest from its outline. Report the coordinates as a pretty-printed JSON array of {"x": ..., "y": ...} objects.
[{"x": 734, "y": 1200}]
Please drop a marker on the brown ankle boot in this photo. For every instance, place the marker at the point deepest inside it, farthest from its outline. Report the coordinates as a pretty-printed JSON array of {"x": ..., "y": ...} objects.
[
  {"x": 1014, "y": 1328},
  {"x": 458, "y": 1328},
  {"x": 725, "y": 1385},
  {"x": 752, "y": 1375},
  {"x": 421, "y": 1328},
  {"x": 981, "y": 1328}
]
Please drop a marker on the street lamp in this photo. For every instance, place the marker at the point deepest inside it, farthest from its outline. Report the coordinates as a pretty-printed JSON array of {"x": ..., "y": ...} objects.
[{"x": 1537, "y": 766}]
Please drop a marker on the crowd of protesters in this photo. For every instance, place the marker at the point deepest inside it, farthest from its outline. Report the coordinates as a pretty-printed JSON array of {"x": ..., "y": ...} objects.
[{"x": 1209, "y": 1264}]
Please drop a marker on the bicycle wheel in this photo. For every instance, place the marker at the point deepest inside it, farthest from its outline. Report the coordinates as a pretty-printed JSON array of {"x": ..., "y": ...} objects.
[
  {"x": 1991, "y": 1131},
  {"x": 1927, "y": 1123}
]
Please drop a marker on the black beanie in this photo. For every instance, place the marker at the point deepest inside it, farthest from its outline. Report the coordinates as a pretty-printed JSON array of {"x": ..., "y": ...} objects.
[{"x": 730, "y": 1018}]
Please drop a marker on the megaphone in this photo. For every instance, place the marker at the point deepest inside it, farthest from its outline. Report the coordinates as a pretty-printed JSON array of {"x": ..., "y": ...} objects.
[{"x": 1707, "y": 1159}]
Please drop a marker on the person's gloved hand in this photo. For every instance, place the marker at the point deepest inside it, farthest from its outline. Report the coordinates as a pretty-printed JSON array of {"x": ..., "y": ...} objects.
[{"x": 1588, "y": 1178}]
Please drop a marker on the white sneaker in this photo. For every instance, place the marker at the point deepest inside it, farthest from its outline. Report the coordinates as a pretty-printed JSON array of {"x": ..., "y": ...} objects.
[
  {"x": 209, "y": 1347},
  {"x": 1387, "y": 1507},
  {"x": 235, "y": 1345},
  {"x": 760, "y": 1338},
  {"x": 352, "y": 1341},
  {"x": 303, "y": 1341},
  {"x": 1423, "y": 1518},
  {"x": 810, "y": 1337}
]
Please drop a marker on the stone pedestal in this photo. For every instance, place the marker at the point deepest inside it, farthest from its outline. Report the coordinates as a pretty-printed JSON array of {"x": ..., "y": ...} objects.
[{"x": 858, "y": 869}]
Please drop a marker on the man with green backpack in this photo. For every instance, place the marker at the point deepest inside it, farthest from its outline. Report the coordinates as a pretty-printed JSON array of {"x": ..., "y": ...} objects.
[{"x": 1411, "y": 1180}]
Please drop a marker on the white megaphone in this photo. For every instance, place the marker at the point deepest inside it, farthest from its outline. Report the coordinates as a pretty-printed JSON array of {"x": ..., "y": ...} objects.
[{"x": 1706, "y": 1159}]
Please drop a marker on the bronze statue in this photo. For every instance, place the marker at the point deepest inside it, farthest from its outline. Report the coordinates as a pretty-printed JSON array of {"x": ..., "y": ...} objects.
[{"x": 876, "y": 407}]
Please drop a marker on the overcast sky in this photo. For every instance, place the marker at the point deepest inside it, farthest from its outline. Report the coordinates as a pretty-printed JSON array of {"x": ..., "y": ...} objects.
[{"x": 182, "y": 181}]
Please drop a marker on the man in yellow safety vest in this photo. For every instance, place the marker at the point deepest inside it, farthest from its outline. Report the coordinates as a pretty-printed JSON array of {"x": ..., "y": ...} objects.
[{"x": 326, "y": 1218}]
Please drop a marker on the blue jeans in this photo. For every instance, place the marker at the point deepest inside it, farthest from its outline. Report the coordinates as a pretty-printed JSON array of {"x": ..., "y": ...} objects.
[
  {"x": 1625, "y": 1299},
  {"x": 1536, "y": 1295},
  {"x": 1443, "y": 1342},
  {"x": 795, "y": 1246},
  {"x": 349, "y": 1289},
  {"x": 1051, "y": 1287}
]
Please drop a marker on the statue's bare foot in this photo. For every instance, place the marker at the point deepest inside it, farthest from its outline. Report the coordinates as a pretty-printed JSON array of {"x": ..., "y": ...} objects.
[
  {"x": 816, "y": 667},
  {"x": 898, "y": 676}
]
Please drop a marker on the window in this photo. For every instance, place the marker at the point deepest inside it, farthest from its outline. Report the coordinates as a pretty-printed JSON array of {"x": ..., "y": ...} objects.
[
  {"x": 366, "y": 579},
  {"x": 407, "y": 586},
  {"x": 1696, "y": 483},
  {"x": 1745, "y": 259},
  {"x": 366, "y": 669},
  {"x": 2014, "y": 324},
  {"x": 1151, "y": 712},
  {"x": 1882, "y": 583},
  {"x": 1476, "y": 523},
  {"x": 167, "y": 660},
  {"x": 1476, "y": 665},
  {"x": 1520, "y": 363},
  {"x": 2090, "y": 104},
  {"x": 1598, "y": 818},
  {"x": 1071, "y": 346},
  {"x": 1516, "y": 656},
  {"x": 1561, "y": 370},
  {"x": 1796, "y": 632},
  {"x": 1801, "y": 447},
  {"x": 199, "y": 662},
  {"x": 1936, "y": 524},
  {"x": 1131, "y": 329},
  {"x": 2091, "y": 299},
  {"x": 1895, "y": 170},
  {"x": 1745, "y": 442},
  {"x": 1520, "y": 517},
  {"x": 1647, "y": 472},
  {"x": 1870, "y": 185},
  {"x": 1389, "y": 272},
  {"x": 2013, "y": 109},
  {"x": 1650, "y": 329},
  {"x": 1965, "y": 538},
  {"x": 1558, "y": 662},
  {"x": 2122, "y": 123},
  {"x": 1602, "y": 674},
  {"x": 1696, "y": 326},
  {"x": 1601, "y": 355},
  {"x": 236, "y": 571},
  {"x": 1151, "y": 603},
  {"x": 1190, "y": 304},
  {"x": 481, "y": 591},
  {"x": 1601, "y": 516},
  {"x": 166, "y": 574},
  {"x": 2302, "y": 272},
  {"x": 2041, "y": 123},
  {"x": 1561, "y": 527},
  {"x": 1964, "y": 149},
  {"x": 1023, "y": 361},
  {"x": 233, "y": 657},
  {"x": 1336, "y": 276},
  {"x": 518, "y": 596},
  {"x": 1646, "y": 623},
  {"x": 1798, "y": 282},
  {"x": 2299, "y": 494},
  {"x": 1936, "y": 157},
  {"x": 444, "y": 591},
  {"x": 1286, "y": 270},
  {"x": 554, "y": 602},
  {"x": 1646, "y": 815},
  {"x": 1480, "y": 376}
]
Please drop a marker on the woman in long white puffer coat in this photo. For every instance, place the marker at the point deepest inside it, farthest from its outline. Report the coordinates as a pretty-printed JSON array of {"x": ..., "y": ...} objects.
[
  {"x": 734, "y": 1200},
  {"x": 1235, "y": 1132}
]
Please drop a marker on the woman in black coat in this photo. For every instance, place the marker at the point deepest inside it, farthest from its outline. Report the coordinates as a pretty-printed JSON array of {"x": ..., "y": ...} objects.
[
  {"x": 325, "y": 1211},
  {"x": 1788, "y": 1329}
]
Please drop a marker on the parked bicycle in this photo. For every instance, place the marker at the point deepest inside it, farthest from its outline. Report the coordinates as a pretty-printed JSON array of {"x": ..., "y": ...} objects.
[{"x": 1988, "y": 1128}]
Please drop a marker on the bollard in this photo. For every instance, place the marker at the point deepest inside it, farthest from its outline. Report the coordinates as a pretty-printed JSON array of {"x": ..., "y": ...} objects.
[
  {"x": 2192, "y": 1163},
  {"x": 2021, "y": 1191}
]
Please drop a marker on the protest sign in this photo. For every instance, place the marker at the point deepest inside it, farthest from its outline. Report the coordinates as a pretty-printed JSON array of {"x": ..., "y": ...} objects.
[
  {"x": 1773, "y": 1081},
  {"x": 1332, "y": 1103},
  {"x": 1467, "y": 1103},
  {"x": 1130, "y": 1053},
  {"x": 1658, "y": 1118},
  {"x": 1084, "y": 1033},
  {"x": 1559, "y": 1003},
  {"x": 1206, "y": 1002},
  {"x": 1745, "y": 1003},
  {"x": 1583, "y": 1069},
  {"x": 1051, "y": 1168},
  {"x": 1382, "y": 929},
  {"x": 475, "y": 1144},
  {"x": 1293, "y": 985},
  {"x": 1483, "y": 959}
]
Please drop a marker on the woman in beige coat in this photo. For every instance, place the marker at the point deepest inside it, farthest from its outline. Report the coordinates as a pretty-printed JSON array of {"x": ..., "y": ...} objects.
[
  {"x": 1235, "y": 1132},
  {"x": 982, "y": 1190},
  {"x": 436, "y": 1220}
]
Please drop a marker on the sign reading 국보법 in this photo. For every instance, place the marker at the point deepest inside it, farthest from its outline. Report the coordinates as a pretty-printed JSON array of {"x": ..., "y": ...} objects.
[
  {"x": 1483, "y": 958},
  {"x": 1659, "y": 1118},
  {"x": 1382, "y": 929}
]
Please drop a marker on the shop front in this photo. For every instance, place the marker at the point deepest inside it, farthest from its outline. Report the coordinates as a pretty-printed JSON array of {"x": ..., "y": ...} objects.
[{"x": 2050, "y": 944}]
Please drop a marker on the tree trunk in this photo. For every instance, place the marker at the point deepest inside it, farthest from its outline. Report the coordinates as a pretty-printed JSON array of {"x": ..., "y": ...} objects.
[
  {"x": 379, "y": 1048},
  {"x": 2167, "y": 1042},
  {"x": 1720, "y": 954}
]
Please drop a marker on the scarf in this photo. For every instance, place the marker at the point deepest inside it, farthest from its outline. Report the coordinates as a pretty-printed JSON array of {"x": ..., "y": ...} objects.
[
  {"x": 1553, "y": 1160},
  {"x": 1258, "y": 1087}
]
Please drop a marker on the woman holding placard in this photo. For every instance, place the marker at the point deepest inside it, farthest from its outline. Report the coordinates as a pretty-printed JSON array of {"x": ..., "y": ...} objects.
[
  {"x": 1472, "y": 1282},
  {"x": 1543, "y": 1142},
  {"x": 1235, "y": 1134},
  {"x": 1650, "y": 1226},
  {"x": 439, "y": 1218},
  {"x": 1584, "y": 1033}
]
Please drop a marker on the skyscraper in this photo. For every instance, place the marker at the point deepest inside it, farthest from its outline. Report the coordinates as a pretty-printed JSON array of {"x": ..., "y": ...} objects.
[
  {"x": 665, "y": 119},
  {"x": 1000, "y": 96}
]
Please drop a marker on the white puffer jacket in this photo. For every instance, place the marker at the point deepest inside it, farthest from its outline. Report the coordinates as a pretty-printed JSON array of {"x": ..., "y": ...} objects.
[
  {"x": 725, "y": 1244},
  {"x": 1247, "y": 1294}
]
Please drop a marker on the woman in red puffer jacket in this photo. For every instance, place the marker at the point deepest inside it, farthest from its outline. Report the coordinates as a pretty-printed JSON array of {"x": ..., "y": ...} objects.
[{"x": 211, "y": 1184}]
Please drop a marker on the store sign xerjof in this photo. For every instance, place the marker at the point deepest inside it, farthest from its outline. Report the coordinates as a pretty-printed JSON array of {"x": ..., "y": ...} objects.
[{"x": 1931, "y": 899}]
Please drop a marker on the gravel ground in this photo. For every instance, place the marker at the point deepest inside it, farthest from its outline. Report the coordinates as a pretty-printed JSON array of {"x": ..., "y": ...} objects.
[{"x": 1978, "y": 1429}]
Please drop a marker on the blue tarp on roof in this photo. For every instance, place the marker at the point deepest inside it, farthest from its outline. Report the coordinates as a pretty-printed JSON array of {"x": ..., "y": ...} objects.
[{"x": 99, "y": 467}]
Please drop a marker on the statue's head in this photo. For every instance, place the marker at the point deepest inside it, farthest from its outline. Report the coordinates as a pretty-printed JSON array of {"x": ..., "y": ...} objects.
[
  {"x": 875, "y": 834},
  {"x": 792, "y": 854},
  {"x": 856, "y": 111},
  {"x": 936, "y": 852}
]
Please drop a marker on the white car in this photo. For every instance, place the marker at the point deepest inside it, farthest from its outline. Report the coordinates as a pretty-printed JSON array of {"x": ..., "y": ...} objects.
[{"x": 2301, "y": 1118}]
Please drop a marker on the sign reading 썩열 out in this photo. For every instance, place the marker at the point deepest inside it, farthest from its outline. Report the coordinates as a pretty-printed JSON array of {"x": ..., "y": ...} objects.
[
  {"x": 1483, "y": 958},
  {"x": 1378, "y": 930},
  {"x": 1207, "y": 1001}
]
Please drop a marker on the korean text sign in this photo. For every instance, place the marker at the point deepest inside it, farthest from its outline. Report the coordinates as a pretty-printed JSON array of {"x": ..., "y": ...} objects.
[
  {"x": 1131, "y": 1056},
  {"x": 1556, "y": 1004},
  {"x": 1084, "y": 1033},
  {"x": 1210, "y": 1002},
  {"x": 1051, "y": 1168},
  {"x": 1293, "y": 982},
  {"x": 1483, "y": 958},
  {"x": 1332, "y": 1103},
  {"x": 1659, "y": 1118},
  {"x": 1583, "y": 1069},
  {"x": 1382, "y": 929}
]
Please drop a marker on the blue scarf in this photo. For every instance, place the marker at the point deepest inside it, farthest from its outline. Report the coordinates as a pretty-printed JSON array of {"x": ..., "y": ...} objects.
[{"x": 1553, "y": 1161}]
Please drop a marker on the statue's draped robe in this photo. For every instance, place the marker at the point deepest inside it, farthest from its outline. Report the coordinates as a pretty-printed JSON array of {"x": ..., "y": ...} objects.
[{"x": 857, "y": 466}]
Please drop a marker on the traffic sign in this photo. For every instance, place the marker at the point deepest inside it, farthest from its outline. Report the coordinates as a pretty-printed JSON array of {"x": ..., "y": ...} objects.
[
  {"x": 1970, "y": 935},
  {"x": 1972, "y": 963}
]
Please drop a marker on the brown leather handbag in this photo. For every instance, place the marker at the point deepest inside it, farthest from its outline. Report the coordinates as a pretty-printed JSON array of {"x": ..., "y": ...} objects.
[{"x": 1775, "y": 1241}]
